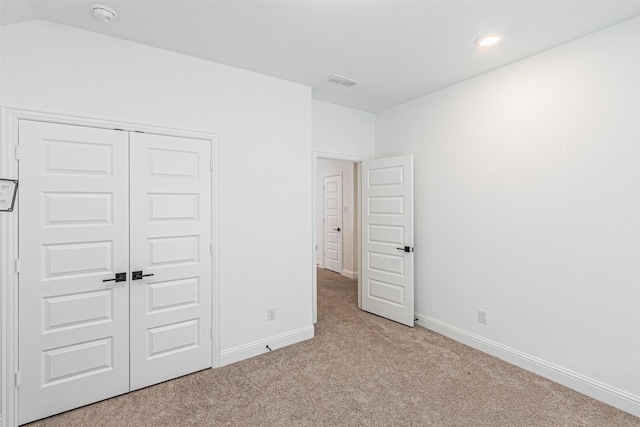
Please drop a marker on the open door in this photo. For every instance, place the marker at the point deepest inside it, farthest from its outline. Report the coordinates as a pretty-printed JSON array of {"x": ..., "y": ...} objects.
[{"x": 387, "y": 238}]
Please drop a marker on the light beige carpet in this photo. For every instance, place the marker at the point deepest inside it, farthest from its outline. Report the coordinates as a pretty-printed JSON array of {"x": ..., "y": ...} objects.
[{"x": 359, "y": 370}]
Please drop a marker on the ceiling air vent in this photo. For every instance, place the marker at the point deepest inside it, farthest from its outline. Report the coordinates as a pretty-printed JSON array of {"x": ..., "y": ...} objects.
[{"x": 342, "y": 81}]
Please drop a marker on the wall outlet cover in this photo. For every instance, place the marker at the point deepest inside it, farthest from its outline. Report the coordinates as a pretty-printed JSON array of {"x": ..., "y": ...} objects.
[{"x": 482, "y": 317}]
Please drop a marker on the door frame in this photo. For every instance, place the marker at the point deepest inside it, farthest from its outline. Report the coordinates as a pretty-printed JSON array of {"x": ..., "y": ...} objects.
[
  {"x": 9, "y": 243},
  {"x": 315, "y": 155}
]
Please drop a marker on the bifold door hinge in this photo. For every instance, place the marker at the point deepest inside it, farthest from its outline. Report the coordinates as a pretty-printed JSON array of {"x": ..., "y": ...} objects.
[
  {"x": 211, "y": 165},
  {"x": 18, "y": 379},
  {"x": 17, "y": 265},
  {"x": 211, "y": 248},
  {"x": 211, "y": 332},
  {"x": 17, "y": 152}
]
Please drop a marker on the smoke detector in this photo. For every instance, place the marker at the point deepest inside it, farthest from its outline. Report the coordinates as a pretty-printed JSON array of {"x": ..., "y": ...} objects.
[
  {"x": 341, "y": 81},
  {"x": 103, "y": 13}
]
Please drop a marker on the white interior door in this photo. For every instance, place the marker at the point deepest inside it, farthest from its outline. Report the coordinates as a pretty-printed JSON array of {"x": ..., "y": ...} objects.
[
  {"x": 387, "y": 238},
  {"x": 333, "y": 223},
  {"x": 74, "y": 235},
  {"x": 170, "y": 246}
]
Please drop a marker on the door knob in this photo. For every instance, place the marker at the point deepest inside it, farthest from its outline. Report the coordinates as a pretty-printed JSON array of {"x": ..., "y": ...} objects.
[
  {"x": 337, "y": 229},
  {"x": 137, "y": 275},
  {"x": 120, "y": 277},
  {"x": 406, "y": 249}
]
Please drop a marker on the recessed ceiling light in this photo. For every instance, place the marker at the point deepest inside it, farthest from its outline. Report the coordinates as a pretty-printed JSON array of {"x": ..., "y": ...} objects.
[
  {"x": 103, "y": 13},
  {"x": 488, "y": 40}
]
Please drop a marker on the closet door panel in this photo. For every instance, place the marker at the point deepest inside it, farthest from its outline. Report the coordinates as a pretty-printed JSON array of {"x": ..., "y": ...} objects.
[
  {"x": 74, "y": 234},
  {"x": 170, "y": 200}
]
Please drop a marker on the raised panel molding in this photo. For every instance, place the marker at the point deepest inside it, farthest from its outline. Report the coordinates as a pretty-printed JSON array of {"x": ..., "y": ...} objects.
[
  {"x": 173, "y": 294},
  {"x": 77, "y": 310},
  {"x": 384, "y": 263},
  {"x": 77, "y": 158},
  {"x": 169, "y": 339},
  {"x": 173, "y": 207},
  {"x": 385, "y": 177},
  {"x": 173, "y": 250},
  {"x": 386, "y": 205},
  {"x": 386, "y": 234},
  {"x": 388, "y": 292},
  {"x": 332, "y": 237},
  {"x": 78, "y": 360},
  {"x": 65, "y": 209},
  {"x": 174, "y": 163},
  {"x": 73, "y": 259}
]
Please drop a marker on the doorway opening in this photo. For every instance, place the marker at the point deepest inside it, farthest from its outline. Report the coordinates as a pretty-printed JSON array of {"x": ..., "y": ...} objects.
[{"x": 336, "y": 218}]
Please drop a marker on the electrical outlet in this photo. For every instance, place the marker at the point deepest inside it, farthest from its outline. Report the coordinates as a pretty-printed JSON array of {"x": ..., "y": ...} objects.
[
  {"x": 271, "y": 313},
  {"x": 482, "y": 317}
]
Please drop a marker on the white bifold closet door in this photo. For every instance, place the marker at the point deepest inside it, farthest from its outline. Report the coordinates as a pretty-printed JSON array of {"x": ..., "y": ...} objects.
[{"x": 96, "y": 204}]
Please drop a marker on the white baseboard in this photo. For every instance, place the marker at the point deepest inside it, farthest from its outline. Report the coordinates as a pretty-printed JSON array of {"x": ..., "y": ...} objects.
[
  {"x": 350, "y": 274},
  {"x": 589, "y": 386},
  {"x": 256, "y": 348}
]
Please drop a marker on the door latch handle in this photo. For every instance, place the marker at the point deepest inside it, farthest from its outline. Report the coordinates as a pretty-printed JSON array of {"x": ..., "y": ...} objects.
[
  {"x": 337, "y": 229},
  {"x": 406, "y": 249},
  {"x": 120, "y": 277},
  {"x": 137, "y": 275}
]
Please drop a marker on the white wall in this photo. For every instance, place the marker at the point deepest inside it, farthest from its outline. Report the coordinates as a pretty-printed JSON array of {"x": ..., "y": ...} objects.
[
  {"x": 265, "y": 145},
  {"x": 327, "y": 167},
  {"x": 527, "y": 205},
  {"x": 342, "y": 130}
]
